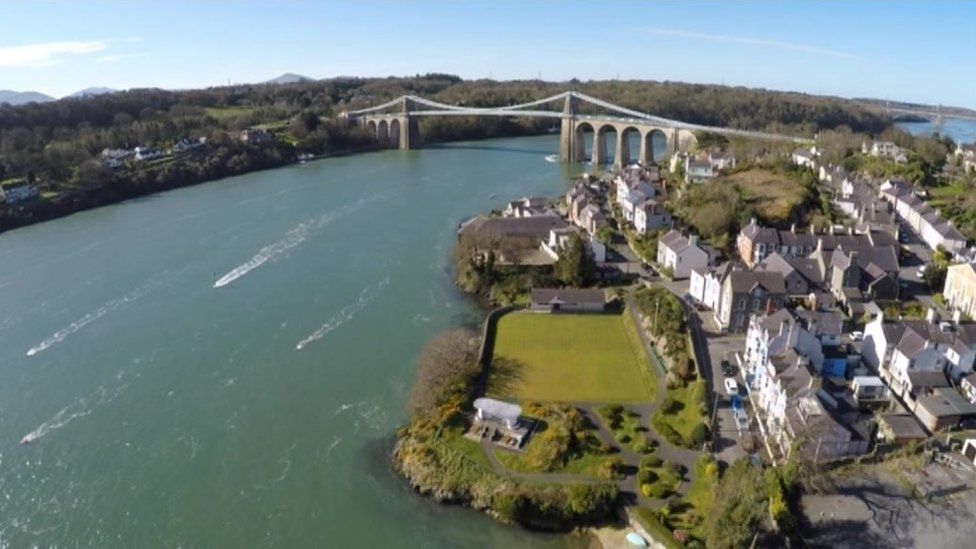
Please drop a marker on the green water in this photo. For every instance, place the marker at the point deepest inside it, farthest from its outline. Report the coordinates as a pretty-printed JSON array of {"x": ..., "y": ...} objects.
[{"x": 225, "y": 365}]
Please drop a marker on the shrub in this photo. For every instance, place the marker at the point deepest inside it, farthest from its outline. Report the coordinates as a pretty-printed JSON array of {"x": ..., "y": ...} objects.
[
  {"x": 666, "y": 431},
  {"x": 623, "y": 438},
  {"x": 611, "y": 467},
  {"x": 641, "y": 444},
  {"x": 646, "y": 476},
  {"x": 659, "y": 490},
  {"x": 646, "y": 489},
  {"x": 651, "y": 461},
  {"x": 699, "y": 435},
  {"x": 673, "y": 469},
  {"x": 670, "y": 404},
  {"x": 712, "y": 471}
]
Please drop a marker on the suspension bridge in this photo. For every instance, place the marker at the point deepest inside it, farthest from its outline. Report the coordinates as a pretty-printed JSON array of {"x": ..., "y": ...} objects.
[{"x": 395, "y": 124}]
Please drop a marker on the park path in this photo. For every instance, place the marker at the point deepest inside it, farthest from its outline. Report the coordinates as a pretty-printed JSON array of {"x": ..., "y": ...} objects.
[{"x": 666, "y": 451}]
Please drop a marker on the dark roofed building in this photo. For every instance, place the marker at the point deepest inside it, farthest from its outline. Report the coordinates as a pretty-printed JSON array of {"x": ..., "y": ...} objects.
[
  {"x": 576, "y": 300},
  {"x": 513, "y": 239},
  {"x": 902, "y": 429}
]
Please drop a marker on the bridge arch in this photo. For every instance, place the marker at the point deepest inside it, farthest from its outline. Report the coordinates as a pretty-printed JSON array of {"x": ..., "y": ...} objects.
[
  {"x": 383, "y": 132},
  {"x": 629, "y": 136},
  {"x": 579, "y": 140},
  {"x": 371, "y": 128},
  {"x": 656, "y": 145},
  {"x": 601, "y": 144},
  {"x": 395, "y": 133}
]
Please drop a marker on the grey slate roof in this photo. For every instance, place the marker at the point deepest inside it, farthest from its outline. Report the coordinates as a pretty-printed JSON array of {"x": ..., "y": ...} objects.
[{"x": 593, "y": 296}]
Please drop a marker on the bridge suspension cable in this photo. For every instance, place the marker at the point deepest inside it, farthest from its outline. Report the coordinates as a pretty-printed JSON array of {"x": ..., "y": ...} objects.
[{"x": 605, "y": 111}]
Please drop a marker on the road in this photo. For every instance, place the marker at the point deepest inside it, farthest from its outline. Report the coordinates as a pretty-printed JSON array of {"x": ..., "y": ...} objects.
[{"x": 711, "y": 347}]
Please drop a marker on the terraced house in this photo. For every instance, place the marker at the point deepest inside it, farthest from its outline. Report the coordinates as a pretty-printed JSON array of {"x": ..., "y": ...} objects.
[{"x": 960, "y": 288}]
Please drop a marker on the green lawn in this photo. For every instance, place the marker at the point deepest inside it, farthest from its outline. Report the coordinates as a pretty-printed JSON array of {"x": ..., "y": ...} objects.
[
  {"x": 688, "y": 414},
  {"x": 587, "y": 464},
  {"x": 224, "y": 113},
  {"x": 569, "y": 358}
]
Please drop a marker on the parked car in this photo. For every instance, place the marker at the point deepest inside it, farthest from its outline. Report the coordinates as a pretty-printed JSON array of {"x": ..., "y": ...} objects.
[
  {"x": 736, "y": 403},
  {"x": 728, "y": 369},
  {"x": 741, "y": 419},
  {"x": 731, "y": 387},
  {"x": 857, "y": 336}
]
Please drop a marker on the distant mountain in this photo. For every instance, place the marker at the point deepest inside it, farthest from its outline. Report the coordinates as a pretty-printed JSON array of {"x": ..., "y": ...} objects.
[
  {"x": 87, "y": 92},
  {"x": 289, "y": 78},
  {"x": 22, "y": 98}
]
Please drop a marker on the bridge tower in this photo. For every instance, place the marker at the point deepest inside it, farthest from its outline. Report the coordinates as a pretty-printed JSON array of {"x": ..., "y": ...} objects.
[
  {"x": 409, "y": 128},
  {"x": 567, "y": 131}
]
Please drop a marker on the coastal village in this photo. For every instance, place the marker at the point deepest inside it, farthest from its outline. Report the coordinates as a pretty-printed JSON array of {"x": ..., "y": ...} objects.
[{"x": 834, "y": 345}]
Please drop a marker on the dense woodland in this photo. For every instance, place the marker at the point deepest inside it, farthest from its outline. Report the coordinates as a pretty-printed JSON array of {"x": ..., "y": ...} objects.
[{"x": 56, "y": 145}]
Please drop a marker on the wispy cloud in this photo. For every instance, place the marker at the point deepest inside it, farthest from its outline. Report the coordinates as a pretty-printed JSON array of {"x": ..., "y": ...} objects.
[
  {"x": 749, "y": 41},
  {"x": 47, "y": 54},
  {"x": 119, "y": 57}
]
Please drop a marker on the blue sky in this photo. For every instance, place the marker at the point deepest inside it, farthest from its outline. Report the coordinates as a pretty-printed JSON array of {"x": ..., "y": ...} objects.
[{"x": 911, "y": 51}]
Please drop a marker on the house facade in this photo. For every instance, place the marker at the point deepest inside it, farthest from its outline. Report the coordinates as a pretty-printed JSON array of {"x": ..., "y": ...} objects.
[
  {"x": 698, "y": 171},
  {"x": 745, "y": 293},
  {"x": 960, "y": 288},
  {"x": 650, "y": 216},
  {"x": 934, "y": 230},
  {"x": 681, "y": 254}
]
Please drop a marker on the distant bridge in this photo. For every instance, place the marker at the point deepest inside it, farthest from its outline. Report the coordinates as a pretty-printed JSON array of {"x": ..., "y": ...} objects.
[
  {"x": 936, "y": 117},
  {"x": 394, "y": 124}
]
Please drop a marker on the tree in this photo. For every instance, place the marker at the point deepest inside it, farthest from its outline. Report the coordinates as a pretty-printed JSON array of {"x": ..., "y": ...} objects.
[
  {"x": 445, "y": 369},
  {"x": 935, "y": 276},
  {"x": 738, "y": 508},
  {"x": 575, "y": 266}
]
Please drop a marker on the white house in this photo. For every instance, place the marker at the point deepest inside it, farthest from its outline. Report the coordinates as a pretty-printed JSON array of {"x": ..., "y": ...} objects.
[
  {"x": 885, "y": 149},
  {"x": 898, "y": 349},
  {"x": 559, "y": 238},
  {"x": 721, "y": 160},
  {"x": 680, "y": 254},
  {"x": 805, "y": 157},
  {"x": 698, "y": 171},
  {"x": 146, "y": 153},
  {"x": 705, "y": 285},
  {"x": 649, "y": 216},
  {"x": 926, "y": 222},
  {"x": 528, "y": 206}
]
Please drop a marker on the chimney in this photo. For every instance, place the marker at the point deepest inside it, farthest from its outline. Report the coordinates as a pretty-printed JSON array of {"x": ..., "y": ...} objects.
[
  {"x": 693, "y": 239},
  {"x": 813, "y": 229},
  {"x": 793, "y": 228},
  {"x": 819, "y": 245},
  {"x": 850, "y": 230},
  {"x": 956, "y": 316},
  {"x": 930, "y": 316},
  {"x": 830, "y": 228}
]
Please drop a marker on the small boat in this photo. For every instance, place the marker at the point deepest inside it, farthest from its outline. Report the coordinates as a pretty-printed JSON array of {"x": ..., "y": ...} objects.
[{"x": 26, "y": 440}]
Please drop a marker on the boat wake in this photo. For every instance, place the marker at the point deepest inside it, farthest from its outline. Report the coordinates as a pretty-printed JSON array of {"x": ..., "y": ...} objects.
[
  {"x": 80, "y": 408},
  {"x": 64, "y": 416},
  {"x": 292, "y": 238},
  {"x": 345, "y": 314},
  {"x": 552, "y": 158},
  {"x": 106, "y": 308}
]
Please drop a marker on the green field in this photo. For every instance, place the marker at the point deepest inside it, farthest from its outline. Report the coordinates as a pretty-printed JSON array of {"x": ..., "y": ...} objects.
[
  {"x": 569, "y": 358},
  {"x": 224, "y": 113}
]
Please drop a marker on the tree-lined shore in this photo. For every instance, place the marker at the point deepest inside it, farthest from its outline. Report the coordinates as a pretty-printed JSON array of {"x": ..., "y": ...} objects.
[{"x": 57, "y": 146}]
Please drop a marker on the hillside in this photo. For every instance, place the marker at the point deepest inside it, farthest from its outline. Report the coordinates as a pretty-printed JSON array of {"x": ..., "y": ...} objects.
[{"x": 22, "y": 98}]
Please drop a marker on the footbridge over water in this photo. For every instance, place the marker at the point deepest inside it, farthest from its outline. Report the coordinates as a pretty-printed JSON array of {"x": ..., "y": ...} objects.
[{"x": 582, "y": 119}]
